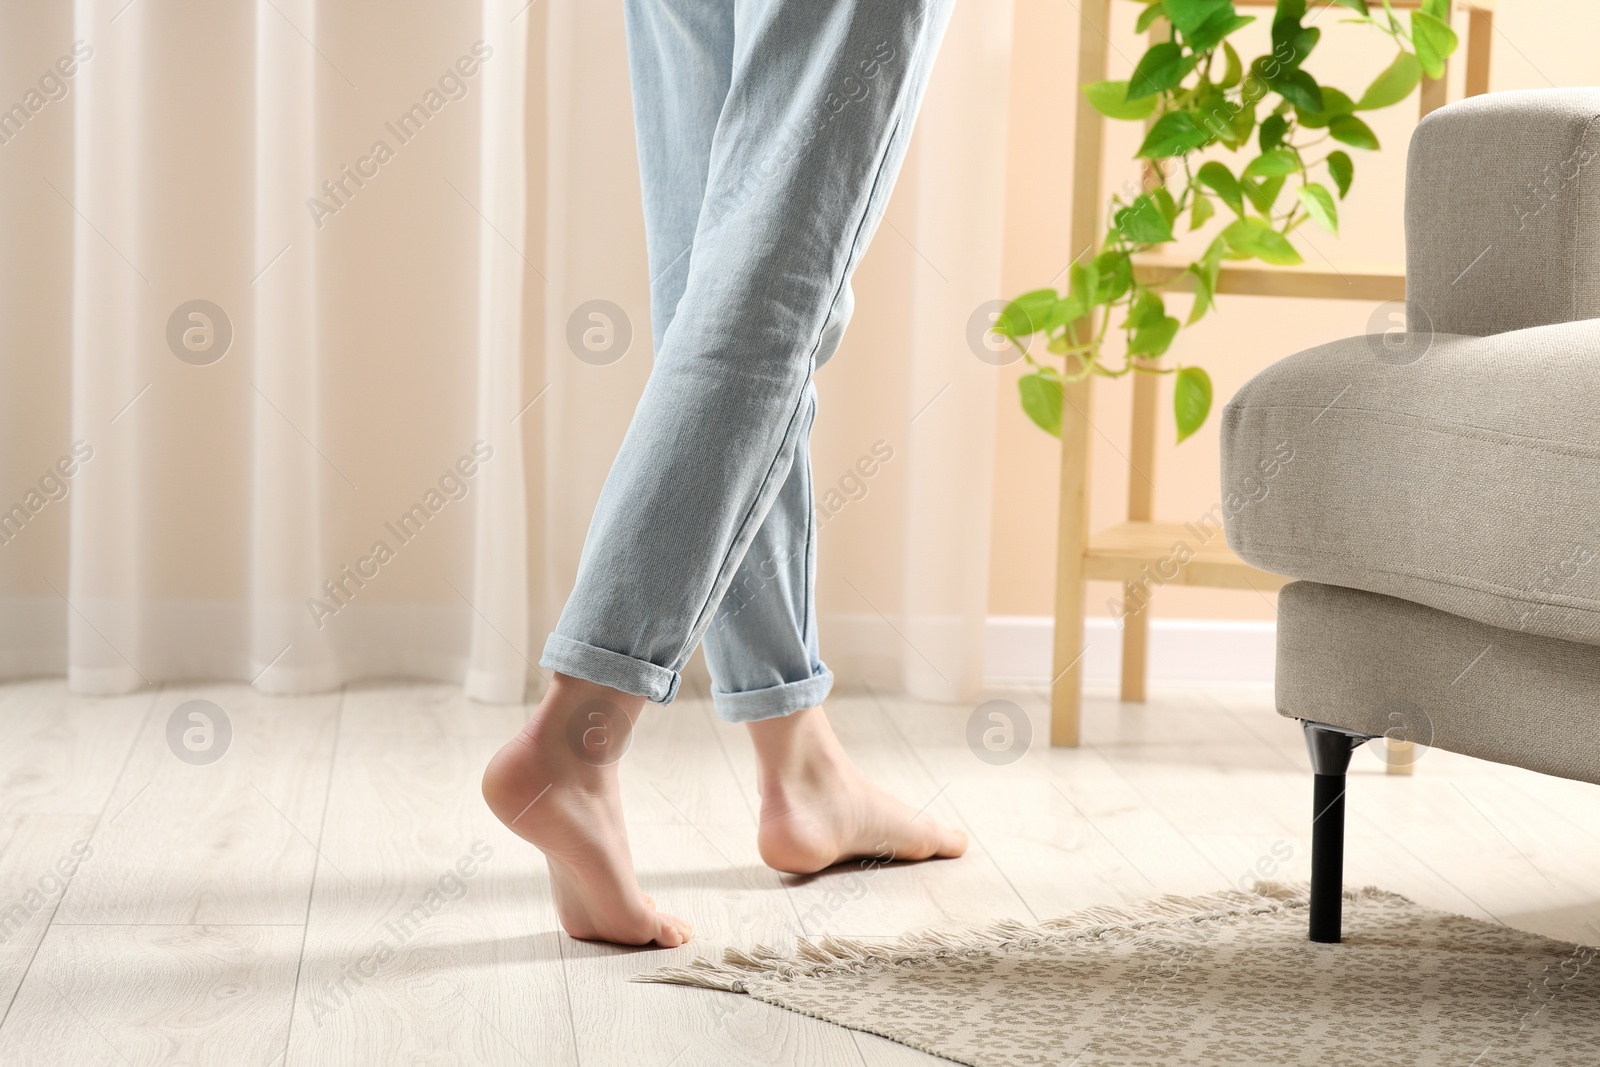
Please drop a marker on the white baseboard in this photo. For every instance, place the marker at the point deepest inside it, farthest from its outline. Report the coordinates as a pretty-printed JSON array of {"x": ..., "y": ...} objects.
[
  {"x": 866, "y": 648},
  {"x": 1181, "y": 650}
]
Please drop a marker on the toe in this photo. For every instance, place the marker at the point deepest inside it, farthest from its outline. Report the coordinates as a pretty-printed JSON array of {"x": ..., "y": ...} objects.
[
  {"x": 925, "y": 839},
  {"x": 673, "y": 931},
  {"x": 953, "y": 843}
]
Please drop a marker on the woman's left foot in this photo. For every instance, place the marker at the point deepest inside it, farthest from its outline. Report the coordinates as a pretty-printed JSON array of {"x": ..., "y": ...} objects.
[{"x": 818, "y": 809}]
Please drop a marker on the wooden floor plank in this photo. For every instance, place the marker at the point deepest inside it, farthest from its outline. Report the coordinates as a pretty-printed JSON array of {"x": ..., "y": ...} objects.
[
  {"x": 886, "y": 899},
  {"x": 228, "y": 842},
  {"x": 425, "y": 711},
  {"x": 675, "y": 769},
  {"x": 63, "y": 752},
  {"x": 430, "y": 935},
  {"x": 120, "y": 995},
  {"x": 686, "y": 869},
  {"x": 39, "y": 857},
  {"x": 194, "y": 931}
]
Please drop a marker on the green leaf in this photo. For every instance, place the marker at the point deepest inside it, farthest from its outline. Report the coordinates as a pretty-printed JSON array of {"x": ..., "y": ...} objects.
[
  {"x": 1153, "y": 340},
  {"x": 1393, "y": 85},
  {"x": 1205, "y": 271},
  {"x": 1298, "y": 88},
  {"x": 1084, "y": 283},
  {"x": 1149, "y": 15},
  {"x": 1292, "y": 43},
  {"x": 1284, "y": 29},
  {"x": 1211, "y": 109},
  {"x": 1263, "y": 194},
  {"x": 1272, "y": 132},
  {"x": 1319, "y": 205},
  {"x": 1147, "y": 309},
  {"x": 1434, "y": 40},
  {"x": 1219, "y": 179},
  {"x": 1026, "y": 314},
  {"x": 1273, "y": 164},
  {"x": 1191, "y": 400},
  {"x": 1334, "y": 104},
  {"x": 1352, "y": 131},
  {"x": 1291, "y": 9},
  {"x": 1187, "y": 16},
  {"x": 1115, "y": 271},
  {"x": 1224, "y": 119},
  {"x": 1164, "y": 201},
  {"x": 1064, "y": 312},
  {"x": 1174, "y": 134},
  {"x": 1204, "y": 293},
  {"x": 1358, "y": 6},
  {"x": 1244, "y": 120},
  {"x": 1342, "y": 170},
  {"x": 1200, "y": 211},
  {"x": 1218, "y": 26},
  {"x": 1143, "y": 223},
  {"x": 1255, "y": 238},
  {"x": 1111, "y": 100},
  {"x": 1233, "y": 69},
  {"x": 1160, "y": 69},
  {"x": 1041, "y": 400},
  {"x": 1439, "y": 9}
]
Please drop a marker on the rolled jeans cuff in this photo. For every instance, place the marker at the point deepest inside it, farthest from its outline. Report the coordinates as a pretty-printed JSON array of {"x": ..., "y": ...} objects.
[
  {"x": 604, "y": 667},
  {"x": 774, "y": 701}
]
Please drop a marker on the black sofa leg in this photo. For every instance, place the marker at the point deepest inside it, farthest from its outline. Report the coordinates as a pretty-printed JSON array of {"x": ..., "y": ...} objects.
[{"x": 1330, "y": 748}]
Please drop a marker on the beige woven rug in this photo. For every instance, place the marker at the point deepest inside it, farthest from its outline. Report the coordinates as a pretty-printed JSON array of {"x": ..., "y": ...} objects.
[{"x": 1218, "y": 980}]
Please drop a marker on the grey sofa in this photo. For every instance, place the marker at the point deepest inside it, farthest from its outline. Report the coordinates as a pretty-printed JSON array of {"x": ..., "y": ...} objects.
[{"x": 1440, "y": 504}]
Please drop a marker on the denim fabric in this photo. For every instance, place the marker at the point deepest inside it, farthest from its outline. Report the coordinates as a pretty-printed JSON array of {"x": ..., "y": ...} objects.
[{"x": 770, "y": 133}]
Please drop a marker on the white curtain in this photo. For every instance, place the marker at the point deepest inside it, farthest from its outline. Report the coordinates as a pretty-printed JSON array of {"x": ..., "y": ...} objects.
[{"x": 286, "y": 389}]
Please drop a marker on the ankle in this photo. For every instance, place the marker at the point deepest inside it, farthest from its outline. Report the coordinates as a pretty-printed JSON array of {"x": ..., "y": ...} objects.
[
  {"x": 592, "y": 721},
  {"x": 796, "y": 751}
]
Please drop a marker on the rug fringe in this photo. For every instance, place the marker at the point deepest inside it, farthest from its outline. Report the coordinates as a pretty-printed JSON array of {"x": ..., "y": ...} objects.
[{"x": 816, "y": 956}]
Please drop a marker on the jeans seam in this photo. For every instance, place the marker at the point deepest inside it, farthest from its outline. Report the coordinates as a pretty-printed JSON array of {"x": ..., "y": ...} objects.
[{"x": 808, "y": 580}]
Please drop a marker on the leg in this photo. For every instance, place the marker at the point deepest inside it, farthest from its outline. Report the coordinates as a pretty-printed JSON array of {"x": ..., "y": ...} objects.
[
  {"x": 817, "y": 809},
  {"x": 1330, "y": 748},
  {"x": 761, "y": 647},
  {"x": 1399, "y": 757},
  {"x": 807, "y": 142},
  {"x": 1135, "y": 645},
  {"x": 555, "y": 784},
  {"x": 1072, "y": 541}
]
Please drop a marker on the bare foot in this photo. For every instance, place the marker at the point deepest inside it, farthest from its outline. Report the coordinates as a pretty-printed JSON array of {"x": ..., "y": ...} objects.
[
  {"x": 817, "y": 809},
  {"x": 555, "y": 784}
]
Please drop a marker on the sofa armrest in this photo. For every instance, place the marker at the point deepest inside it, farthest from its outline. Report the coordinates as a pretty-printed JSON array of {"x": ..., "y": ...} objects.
[
  {"x": 1503, "y": 213},
  {"x": 1468, "y": 480}
]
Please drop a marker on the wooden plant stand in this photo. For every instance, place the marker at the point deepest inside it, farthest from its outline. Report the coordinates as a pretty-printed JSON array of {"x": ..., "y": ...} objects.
[{"x": 1121, "y": 552}]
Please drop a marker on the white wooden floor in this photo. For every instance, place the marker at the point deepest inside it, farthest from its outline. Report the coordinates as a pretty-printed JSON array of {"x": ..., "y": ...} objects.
[{"x": 301, "y": 900}]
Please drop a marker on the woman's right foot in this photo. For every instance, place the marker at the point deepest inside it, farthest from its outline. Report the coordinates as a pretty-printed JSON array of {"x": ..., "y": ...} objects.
[{"x": 555, "y": 785}]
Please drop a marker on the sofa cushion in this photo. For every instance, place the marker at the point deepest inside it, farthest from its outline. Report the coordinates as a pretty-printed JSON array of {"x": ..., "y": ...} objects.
[
  {"x": 1467, "y": 480},
  {"x": 1383, "y": 666}
]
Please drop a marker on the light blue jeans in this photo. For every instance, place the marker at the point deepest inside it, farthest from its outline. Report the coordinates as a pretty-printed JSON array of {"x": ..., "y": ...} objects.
[{"x": 770, "y": 133}]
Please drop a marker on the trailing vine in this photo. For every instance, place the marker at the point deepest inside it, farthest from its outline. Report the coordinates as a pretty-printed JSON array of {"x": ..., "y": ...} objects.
[{"x": 1197, "y": 96}]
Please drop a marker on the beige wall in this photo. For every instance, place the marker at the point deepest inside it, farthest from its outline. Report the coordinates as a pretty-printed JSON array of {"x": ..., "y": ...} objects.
[{"x": 1536, "y": 45}]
